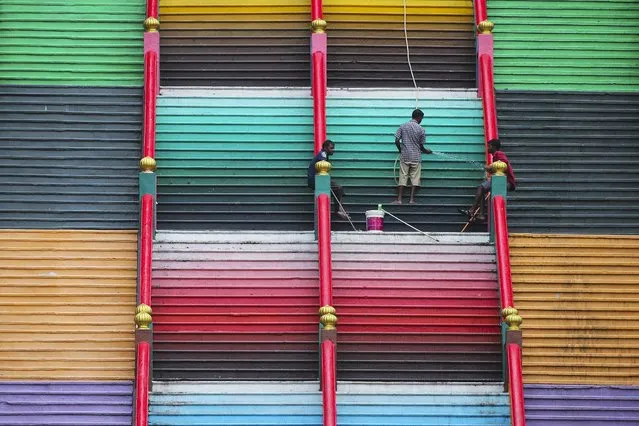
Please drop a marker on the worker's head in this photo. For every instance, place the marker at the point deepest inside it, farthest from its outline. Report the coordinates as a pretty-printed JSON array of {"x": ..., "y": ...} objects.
[
  {"x": 418, "y": 115},
  {"x": 494, "y": 145},
  {"x": 328, "y": 146}
]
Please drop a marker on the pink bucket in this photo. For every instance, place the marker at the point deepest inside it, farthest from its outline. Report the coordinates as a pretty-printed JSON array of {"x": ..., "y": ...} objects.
[{"x": 375, "y": 220}]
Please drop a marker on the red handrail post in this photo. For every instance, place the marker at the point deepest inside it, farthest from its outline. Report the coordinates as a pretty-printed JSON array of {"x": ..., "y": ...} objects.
[
  {"x": 498, "y": 219},
  {"x": 510, "y": 315},
  {"x": 518, "y": 415},
  {"x": 328, "y": 319},
  {"x": 152, "y": 8},
  {"x": 329, "y": 380},
  {"x": 485, "y": 89},
  {"x": 147, "y": 186},
  {"x": 316, "y": 9},
  {"x": 143, "y": 365},
  {"x": 503, "y": 251},
  {"x": 319, "y": 100},
  {"x": 318, "y": 74},
  {"x": 481, "y": 13},
  {"x": 324, "y": 248},
  {"x": 488, "y": 100},
  {"x": 150, "y": 96}
]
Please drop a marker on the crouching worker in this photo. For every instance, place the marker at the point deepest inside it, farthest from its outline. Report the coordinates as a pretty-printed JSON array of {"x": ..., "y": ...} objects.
[
  {"x": 494, "y": 147},
  {"x": 328, "y": 148}
]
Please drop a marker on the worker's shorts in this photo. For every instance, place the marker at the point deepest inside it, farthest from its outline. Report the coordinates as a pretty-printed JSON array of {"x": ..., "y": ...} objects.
[{"x": 412, "y": 170}]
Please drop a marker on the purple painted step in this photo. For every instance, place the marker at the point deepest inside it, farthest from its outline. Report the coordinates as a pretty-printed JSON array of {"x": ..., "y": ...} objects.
[
  {"x": 573, "y": 405},
  {"x": 62, "y": 404}
]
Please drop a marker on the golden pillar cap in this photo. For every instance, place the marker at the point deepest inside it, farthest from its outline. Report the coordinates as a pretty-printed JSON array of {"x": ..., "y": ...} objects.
[
  {"x": 148, "y": 164},
  {"x": 318, "y": 26},
  {"x": 328, "y": 317},
  {"x": 151, "y": 24},
  {"x": 322, "y": 167},
  {"x": 143, "y": 316},
  {"x": 485, "y": 27},
  {"x": 499, "y": 168},
  {"x": 512, "y": 318}
]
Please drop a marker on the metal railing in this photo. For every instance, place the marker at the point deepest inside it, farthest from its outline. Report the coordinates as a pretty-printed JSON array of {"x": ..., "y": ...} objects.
[{"x": 148, "y": 187}]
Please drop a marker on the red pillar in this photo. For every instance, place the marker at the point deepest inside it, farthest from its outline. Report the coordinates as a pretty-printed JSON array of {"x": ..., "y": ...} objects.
[
  {"x": 142, "y": 384},
  {"x": 503, "y": 252},
  {"x": 150, "y": 92},
  {"x": 481, "y": 13},
  {"x": 319, "y": 100},
  {"x": 518, "y": 414}
]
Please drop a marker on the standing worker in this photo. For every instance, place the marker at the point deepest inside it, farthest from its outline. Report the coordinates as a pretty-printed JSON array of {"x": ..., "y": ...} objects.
[{"x": 410, "y": 139}]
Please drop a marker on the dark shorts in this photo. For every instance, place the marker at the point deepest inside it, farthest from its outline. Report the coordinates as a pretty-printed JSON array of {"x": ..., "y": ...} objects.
[{"x": 485, "y": 186}]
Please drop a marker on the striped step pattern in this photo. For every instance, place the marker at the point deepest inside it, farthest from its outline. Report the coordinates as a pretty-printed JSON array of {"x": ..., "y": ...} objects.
[
  {"x": 300, "y": 404},
  {"x": 66, "y": 37},
  {"x": 218, "y": 171},
  {"x": 67, "y": 305},
  {"x": 243, "y": 306},
  {"x": 367, "y": 48},
  {"x": 576, "y": 157},
  {"x": 411, "y": 309},
  {"x": 578, "y": 297},
  {"x": 557, "y": 405},
  {"x": 66, "y": 404},
  {"x": 222, "y": 43},
  {"x": 69, "y": 156},
  {"x": 566, "y": 55},
  {"x": 240, "y": 306}
]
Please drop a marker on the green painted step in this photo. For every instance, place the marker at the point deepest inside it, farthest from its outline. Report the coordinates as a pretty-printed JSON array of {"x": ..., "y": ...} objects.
[
  {"x": 74, "y": 43},
  {"x": 569, "y": 45}
]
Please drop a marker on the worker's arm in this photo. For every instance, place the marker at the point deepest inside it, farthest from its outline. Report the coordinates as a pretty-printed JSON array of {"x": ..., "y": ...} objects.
[
  {"x": 398, "y": 145},
  {"x": 422, "y": 148}
]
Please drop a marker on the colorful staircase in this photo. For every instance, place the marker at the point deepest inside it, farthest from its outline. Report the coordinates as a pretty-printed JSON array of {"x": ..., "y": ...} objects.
[
  {"x": 235, "y": 329},
  {"x": 239, "y": 309}
]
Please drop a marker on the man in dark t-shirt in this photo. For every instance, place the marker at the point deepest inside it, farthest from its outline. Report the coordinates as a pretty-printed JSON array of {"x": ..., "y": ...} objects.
[
  {"x": 328, "y": 148},
  {"x": 494, "y": 148}
]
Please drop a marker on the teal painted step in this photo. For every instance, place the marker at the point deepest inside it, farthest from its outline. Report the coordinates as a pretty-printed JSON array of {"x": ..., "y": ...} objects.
[
  {"x": 566, "y": 45},
  {"x": 278, "y": 403},
  {"x": 234, "y": 162},
  {"x": 240, "y": 162},
  {"x": 365, "y": 158},
  {"x": 72, "y": 43}
]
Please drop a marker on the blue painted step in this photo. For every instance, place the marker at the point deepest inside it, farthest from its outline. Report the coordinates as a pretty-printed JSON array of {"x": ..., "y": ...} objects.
[{"x": 300, "y": 404}]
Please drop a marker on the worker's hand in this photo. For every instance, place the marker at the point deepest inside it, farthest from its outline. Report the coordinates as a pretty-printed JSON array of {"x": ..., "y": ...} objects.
[{"x": 428, "y": 151}]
